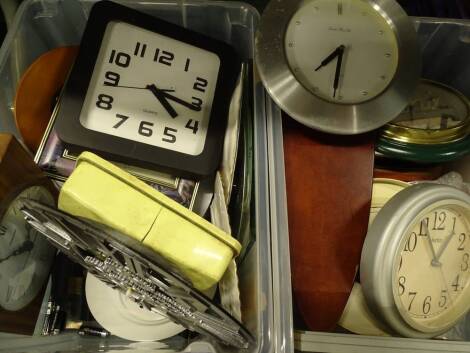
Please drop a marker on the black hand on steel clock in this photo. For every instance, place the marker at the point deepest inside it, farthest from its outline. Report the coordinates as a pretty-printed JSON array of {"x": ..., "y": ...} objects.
[
  {"x": 338, "y": 70},
  {"x": 338, "y": 51},
  {"x": 161, "y": 98}
]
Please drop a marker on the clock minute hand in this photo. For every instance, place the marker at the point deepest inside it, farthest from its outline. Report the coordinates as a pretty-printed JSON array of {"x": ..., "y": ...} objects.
[
  {"x": 163, "y": 101},
  {"x": 338, "y": 70},
  {"x": 331, "y": 57},
  {"x": 135, "y": 87}
]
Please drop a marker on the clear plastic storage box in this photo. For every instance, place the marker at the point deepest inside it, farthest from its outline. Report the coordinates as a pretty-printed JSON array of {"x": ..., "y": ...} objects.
[
  {"x": 445, "y": 48},
  {"x": 41, "y": 25}
]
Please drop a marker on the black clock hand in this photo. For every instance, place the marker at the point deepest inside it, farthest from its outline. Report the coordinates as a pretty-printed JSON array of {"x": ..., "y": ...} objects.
[
  {"x": 331, "y": 57},
  {"x": 338, "y": 70},
  {"x": 182, "y": 102},
  {"x": 28, "y": 245},
  {"x": 161, "y": 98},
  {"x": 134, "y": 87}
]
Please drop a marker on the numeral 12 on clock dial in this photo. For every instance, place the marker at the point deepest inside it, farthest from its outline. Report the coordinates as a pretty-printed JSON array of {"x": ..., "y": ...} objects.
[{"x": 151, "y": 88}]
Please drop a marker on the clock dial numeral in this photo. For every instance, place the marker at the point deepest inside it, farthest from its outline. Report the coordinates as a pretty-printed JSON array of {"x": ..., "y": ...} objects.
[
  {"x": 145, "y": 128},
  {"x": 192, "y": 125},
  {"x": 453, "y": 224},
  {"x": 411, "y": 243},
  {"x": 200, "y": 84},
  {"x": 140, "y": 49},
  {"x": 401, "y": 263},
  {"x": 186, "y": 66},
  {"x": 443, "y": 300},
  {"x": 112, "y": 78},
  {"x": 423, "y": 226},
  {"x": 120, "y": 59},
  {"x": 439, "y": 221},
  {"x": 122, "y": 120},
  {"x": 3, "y": 230},
  {"x": 169, "y": 137},
  {"x": 427, "y": 305},
  {"x": 456, "y": 283},
  {"x": 464, "y": 266},
  {"x": 163, "y": 57},
  {"x": 401, "y": 285},
  {"x": 462, "y": 238},
  {"x": 104, "y": 102},
  {"x": 413, "y": 296},
  {"x": 197, "y": 102}
]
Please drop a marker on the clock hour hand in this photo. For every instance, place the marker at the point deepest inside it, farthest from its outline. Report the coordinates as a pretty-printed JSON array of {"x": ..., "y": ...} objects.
[
  {"x": 28, "y": 245},
  {"x": 163, "y": 101},
  {"x": 435, "y": 260},
  {"x": 331, "y": 57},
  {"x": 338, "y": 70},
  {"x": 182, "y": 102}
]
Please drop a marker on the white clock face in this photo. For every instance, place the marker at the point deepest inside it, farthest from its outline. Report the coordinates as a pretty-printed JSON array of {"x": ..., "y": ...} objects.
[
  {"x": 431, "y": 277},
  {"x": 325, "y": 33},
  {"x": 149, "y": 88},
  {"x": 25, "y": 255}
]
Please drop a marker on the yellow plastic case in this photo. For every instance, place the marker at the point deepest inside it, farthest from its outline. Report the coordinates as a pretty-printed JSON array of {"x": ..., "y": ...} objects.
[{"x": 100, "y": 191}]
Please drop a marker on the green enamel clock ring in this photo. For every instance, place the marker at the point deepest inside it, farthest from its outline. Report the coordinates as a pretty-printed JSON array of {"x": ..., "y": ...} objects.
[
  {"x": 437, "y": 153},
  {"x": 415, "y": 264}
]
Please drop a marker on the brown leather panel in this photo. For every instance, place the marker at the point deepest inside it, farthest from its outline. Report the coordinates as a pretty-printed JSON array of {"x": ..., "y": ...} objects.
[{"x": 329, "y": 187}]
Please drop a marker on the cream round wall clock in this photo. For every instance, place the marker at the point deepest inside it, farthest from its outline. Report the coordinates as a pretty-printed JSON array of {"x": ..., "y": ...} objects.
[
  {"x": 339, "y": 66},
  {"x": 415, "y": 263}
]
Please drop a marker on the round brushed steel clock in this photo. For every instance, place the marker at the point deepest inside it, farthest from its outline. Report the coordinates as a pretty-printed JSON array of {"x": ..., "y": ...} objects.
[
  {"x": 344, "y": 67},
  {"x": 415, "y": 262}
]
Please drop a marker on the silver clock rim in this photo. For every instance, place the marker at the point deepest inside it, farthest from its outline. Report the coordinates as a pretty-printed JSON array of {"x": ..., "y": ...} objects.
[
  {"x": 314, "y": 112},
  {"x": 382, "y": 245}
]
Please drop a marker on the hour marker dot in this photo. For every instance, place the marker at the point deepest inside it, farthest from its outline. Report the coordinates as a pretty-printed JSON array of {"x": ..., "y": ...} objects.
[
  {"x": 291, "y": 45},
  {"x": 298, "y": 23},
  {"x": 383, "y": 77},
  {"x": 365, "y": 93},
  {"x": 381, "y": 32},
  {"x": 388, "y": 55},
  {"x": 316, "y": 8}
]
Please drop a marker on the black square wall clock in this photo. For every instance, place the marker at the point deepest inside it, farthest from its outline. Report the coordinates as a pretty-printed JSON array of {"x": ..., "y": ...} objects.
[{"x": 149, "y": 93}]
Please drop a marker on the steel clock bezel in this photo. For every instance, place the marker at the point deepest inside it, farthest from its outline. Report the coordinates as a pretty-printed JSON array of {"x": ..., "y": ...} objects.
[
  {"x": 315, "y": 112},
  {"x": 78, "y": 138},
  {"x": 384, "y": 242}
]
